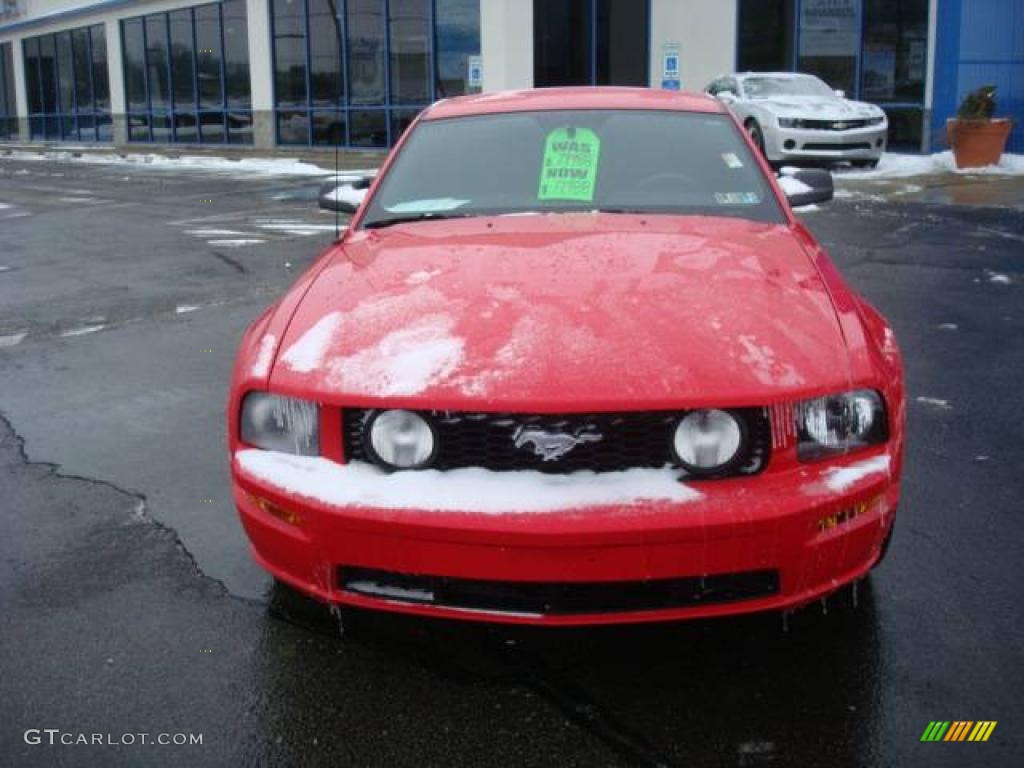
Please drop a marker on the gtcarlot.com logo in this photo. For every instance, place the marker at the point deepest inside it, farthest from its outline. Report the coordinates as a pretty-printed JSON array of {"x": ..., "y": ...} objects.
[{"x": 55, "y": 736}]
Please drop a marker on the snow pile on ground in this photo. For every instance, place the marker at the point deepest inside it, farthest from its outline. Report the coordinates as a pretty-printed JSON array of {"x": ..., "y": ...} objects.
[
  {"x": 348, "y": 194},
  {"x": 842, "y": 478},
  {"x": 459, "y": 490},
  {"x": 257, "y": 166},
  {"x": 896, "y": 166},
  {"x": 792, "y": 186}
]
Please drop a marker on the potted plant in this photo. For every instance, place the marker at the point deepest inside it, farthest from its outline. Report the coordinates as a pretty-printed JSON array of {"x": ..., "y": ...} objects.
[{"x": 978, "y": 138}]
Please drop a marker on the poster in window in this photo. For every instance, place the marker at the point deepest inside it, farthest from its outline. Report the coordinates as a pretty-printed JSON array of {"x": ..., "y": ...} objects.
[
  {"x": 879, "y": 81},
  {"x": 828, "y": 27}
]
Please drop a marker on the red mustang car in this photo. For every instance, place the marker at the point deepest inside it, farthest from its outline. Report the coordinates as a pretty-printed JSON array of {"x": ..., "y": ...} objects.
[{"x": 574, "y": 361}]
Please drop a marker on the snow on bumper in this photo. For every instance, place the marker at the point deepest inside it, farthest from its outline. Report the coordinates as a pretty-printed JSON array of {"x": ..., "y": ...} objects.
[{"x": 816, "y": 527}]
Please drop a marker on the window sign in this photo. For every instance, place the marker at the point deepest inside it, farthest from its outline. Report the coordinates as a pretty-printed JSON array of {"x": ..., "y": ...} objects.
[
  {"x": 879, "y": 78},
  {"x": 828, "y": 27},
  {"x": 670, "y": 80},
  {"x": 569, "y": 170},
  {"x": 475, "y": 75}
]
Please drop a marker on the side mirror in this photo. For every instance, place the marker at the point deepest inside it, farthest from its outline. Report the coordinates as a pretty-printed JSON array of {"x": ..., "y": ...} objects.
[
  {"x": 807, "y": 186},
  {"x": 344, "y": 193},
  {"x": 840, "y": 93},
  {"x": 726, "y": 97}
]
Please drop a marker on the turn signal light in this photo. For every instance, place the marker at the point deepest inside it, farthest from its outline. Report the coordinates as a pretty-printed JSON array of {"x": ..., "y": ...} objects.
[{"x": 286, "y": 515}]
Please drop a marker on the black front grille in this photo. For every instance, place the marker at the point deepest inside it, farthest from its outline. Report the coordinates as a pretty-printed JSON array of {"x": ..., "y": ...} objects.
[
  {"x": 835, "y": 125},
  {"x": 627, "y": 440},
  {"x": 559, "y": 598}
]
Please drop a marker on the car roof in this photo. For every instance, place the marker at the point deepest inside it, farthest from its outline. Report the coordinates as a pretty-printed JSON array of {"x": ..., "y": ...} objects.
[
  {"x": 594, "y": 97},
  {"x": 780, "y": 75}
]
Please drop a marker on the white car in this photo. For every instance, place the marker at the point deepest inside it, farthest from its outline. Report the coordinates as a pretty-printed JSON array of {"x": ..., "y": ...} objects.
[{"x": 796, "y": 117}]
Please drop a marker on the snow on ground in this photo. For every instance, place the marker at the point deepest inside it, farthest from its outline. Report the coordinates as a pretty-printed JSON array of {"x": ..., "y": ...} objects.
[
  {"x": 235, "y": 243},
  {"x": 84, "y": 330},
  {"x": 301, "y": 228},
  {"x": 183, "y": 309},
  {"x": 214, "y": 232},
  {"x": 895, "y": 166},
  {"x": 459, "y": 490},
  {"x": 997, "y": 277},
  {"x": 842, "y": 478},
  {"x": 348, "y": 194},
  {"x": 257, "y": 166},
  {"x": 793, "y": 186},
  {"x": 12, "y": 339},
  {"x": 4, "y": 206},
  {"x": 935, "y": 402}
]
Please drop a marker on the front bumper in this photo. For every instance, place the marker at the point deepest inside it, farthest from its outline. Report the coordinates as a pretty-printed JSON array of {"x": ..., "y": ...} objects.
[
  {"x": 790, "y": 527},
  {"x": 783, "y": 144}
]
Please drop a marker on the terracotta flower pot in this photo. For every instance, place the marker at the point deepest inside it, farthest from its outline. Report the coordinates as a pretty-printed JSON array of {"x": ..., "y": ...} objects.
[{"x": 977, "y": 143}]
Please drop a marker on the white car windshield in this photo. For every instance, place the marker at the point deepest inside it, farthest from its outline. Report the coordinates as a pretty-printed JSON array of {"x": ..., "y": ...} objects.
[{"x": 765, "y": 87}]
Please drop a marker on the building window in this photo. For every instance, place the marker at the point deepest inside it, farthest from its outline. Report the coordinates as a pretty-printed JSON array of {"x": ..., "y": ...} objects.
[
  {"x": 68, "y": 85},
  {"x": 186, "y": 75},
  {"x": 357, "y": 72},
  {"x": 8, "y": 106},
  {"x": 874, "y": 50},
  {"x": 457, "y": 32},
  {"x": 590, "y": 42},
  {"x": 766, "y": 35}
]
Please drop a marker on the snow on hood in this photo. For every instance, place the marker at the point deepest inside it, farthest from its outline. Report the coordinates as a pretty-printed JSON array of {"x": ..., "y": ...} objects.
[
  {"x": 562, "y": 310},
  {"x": 459, "y": 490},
  {"x": 818, "y": 107}
]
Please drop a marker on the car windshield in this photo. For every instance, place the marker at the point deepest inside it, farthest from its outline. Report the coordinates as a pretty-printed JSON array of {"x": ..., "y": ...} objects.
[
  {"x": 773, "y": 87},
  {"x": 621, "y": 161}
]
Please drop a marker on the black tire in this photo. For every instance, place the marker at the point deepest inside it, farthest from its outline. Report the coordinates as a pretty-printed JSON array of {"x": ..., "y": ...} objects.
[
  {"x": 865, "y": 163},
  {"x": 756, "y": 134}
]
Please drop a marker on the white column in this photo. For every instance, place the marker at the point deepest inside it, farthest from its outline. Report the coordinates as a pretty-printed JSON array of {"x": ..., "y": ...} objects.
[
  {"x": 506, "y": 44},
  {"x": 20, "y": 92},
  {"x": 705, "y": 31},
  {"x": 115, "y": 67},
  {"x": 261, "y": 73}
]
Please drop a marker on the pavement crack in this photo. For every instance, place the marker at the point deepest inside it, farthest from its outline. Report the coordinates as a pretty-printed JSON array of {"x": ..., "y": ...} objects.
[
  {"x": 140, "y": 514},
  {"x": 237, "y": 265},
  {"x": 580, "y": 708}
]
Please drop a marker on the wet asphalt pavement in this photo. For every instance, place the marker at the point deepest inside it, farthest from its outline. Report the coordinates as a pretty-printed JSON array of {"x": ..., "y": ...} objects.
[{"x": 129, "y": 605}]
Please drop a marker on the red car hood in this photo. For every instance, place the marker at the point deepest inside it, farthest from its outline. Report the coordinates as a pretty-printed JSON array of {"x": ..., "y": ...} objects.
[{"x": 559, "y": 312}]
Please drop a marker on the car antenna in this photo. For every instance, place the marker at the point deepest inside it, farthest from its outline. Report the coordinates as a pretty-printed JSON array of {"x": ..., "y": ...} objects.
[{"x": 337, "y": 223}]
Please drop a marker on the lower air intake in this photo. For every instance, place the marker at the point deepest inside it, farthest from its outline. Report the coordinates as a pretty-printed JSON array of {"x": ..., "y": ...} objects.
[{"x": 559, "y": 598}]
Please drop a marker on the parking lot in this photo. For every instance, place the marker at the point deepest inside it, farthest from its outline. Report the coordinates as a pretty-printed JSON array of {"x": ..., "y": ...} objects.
[{"x": 131, "y": 604}]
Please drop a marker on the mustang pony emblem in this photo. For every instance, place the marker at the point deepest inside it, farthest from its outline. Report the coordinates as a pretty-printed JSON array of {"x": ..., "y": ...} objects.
[{"x": 552, "y": 445}]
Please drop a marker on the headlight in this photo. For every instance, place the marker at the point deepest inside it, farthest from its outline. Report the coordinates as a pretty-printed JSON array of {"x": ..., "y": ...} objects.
[
  {"x": 401, "y": 439},
  {"x": 876, "y": 120},
  {"x": 707, "y": 441},
  {"x": 791, "y": 122},
  {"x": 278, "y": 423},
  {"x": 840, "y": 423}
]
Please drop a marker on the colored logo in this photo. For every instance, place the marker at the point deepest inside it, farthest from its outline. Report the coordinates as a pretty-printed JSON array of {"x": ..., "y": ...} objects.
[{"x": 958, "y": 730}]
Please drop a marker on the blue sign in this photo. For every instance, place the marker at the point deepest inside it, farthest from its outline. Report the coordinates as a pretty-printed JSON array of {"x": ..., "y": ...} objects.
[{"x": 670, "y": 85}]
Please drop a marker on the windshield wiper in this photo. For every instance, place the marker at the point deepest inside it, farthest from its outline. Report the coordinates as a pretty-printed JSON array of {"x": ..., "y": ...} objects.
[{"x": 424, "y": 216}]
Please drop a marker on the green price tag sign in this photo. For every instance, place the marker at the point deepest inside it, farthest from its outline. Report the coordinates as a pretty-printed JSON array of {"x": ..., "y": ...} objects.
[{"x": 569, "y": 171}]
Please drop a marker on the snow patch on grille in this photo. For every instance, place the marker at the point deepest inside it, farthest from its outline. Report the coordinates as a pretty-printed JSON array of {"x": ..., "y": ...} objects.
[{"x": 459, "y": 490}]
